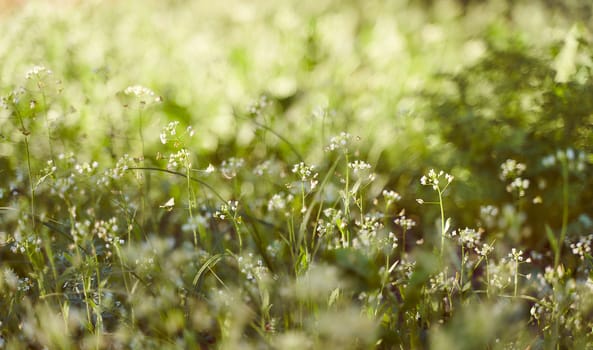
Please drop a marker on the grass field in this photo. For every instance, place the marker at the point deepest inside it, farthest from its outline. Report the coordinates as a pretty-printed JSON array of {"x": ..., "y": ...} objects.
[{"x": 296, "y": 175}]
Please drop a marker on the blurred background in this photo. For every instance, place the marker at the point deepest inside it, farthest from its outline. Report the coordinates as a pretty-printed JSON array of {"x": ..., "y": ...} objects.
[{"x": 455, "y": 85}]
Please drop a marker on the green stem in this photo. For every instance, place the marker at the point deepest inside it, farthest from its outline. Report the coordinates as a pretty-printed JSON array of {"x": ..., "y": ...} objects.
[
  {"x": 51, "y": 151},
  {"x": 191, "y": 201},
  {"x": 347, "y": 202},
  {"x": 564, "y": 213},
  {"x": 442, "y": 221},
  {"x": 461, "y": 270},
  {"x": 487, "y": 279},
  {"x": 403, "y": 249},
  {"x": 30, "y": 171},
  {"x": 516, "y": 276},
  {"x": 302, "y": 233}
]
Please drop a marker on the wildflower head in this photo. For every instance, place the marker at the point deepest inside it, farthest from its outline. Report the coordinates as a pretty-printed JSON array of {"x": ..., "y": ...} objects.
[
  {"x": 511, "y": 169},
  {"x": 517, "y": 256},
  {"x": 179, "y": 160},
  {"x": 40, "y": 78},
  {"x": 339, "y": 142},
  {"x": 37, "y": 72},
  {"x": 484, "y": 250},
  {"x": 304, "y": 172},
  {"x": 405, "y": 222},
  {"x": 230, "y": 167},
  {"x": 359, "y": 166},
  {"x": 433, "y": 179},
  {"x": 467, "y": 237},
  {"x": 137, "y": 96},
  {"x": 391, "y": 197},
  {"x": 169, "y": 134},
  {"x": 582, "y": 247},
  {"x": 575, "y": 160},
  {"x": 228, "y": 210},
  {"x": 518, "y": 186},
  {"x": 257, "y": 107}
]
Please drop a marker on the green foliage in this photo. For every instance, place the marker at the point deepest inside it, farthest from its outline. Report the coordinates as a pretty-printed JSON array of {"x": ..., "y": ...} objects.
[{"x": 189, "y": 175}]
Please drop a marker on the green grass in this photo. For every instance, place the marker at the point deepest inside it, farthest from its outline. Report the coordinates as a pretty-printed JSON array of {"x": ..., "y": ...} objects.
[{"x": 260, "y": 175}]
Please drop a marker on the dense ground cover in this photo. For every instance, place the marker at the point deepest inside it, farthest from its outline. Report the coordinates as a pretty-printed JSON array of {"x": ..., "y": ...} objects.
[{"x": 268, "y": 175}]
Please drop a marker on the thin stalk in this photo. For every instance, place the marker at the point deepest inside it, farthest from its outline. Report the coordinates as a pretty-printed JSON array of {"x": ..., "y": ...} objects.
[
  {"x": 26, "y": 133},
  {"x": 126, "y": 283},
  {"x": 487, "y": 279},
  {"x": 442, "y": 221},
  {"x": 191, "y": 199},
  {"x": 140, "y": 132},
  {"x": 403, "y": 248},
  {"x": 516, "y": 280},
  {"x": 51, "y": 151},
  {"x": 30, "y": 173},
  {"x": 204, "y": 184},
  {"x": 347, "y": 201},
  {"x": 461, "y": 270},
  {"x": 85, "y": 290},
  {"x": 318, "y": 199},
  {"x": 142, "y": 180},
  {"x": 238, "y": 231},
  {"x": 564, "y": 213},
  {"x": 302, "y": 235}
]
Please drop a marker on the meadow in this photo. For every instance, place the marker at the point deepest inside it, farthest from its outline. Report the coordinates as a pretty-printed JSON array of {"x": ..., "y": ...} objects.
[{"x": 296, "y": 174}]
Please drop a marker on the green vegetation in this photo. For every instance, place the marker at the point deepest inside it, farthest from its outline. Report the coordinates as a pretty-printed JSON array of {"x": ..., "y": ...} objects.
[{"x": 263, "y": 174}]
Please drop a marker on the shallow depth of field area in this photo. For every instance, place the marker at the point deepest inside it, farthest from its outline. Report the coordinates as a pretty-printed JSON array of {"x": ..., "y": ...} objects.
[{"x": 296, "y": 174}]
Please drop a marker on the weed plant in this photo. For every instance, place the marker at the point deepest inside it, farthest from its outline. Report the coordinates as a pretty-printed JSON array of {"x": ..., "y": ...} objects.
[{"x": 299, "y": 176}]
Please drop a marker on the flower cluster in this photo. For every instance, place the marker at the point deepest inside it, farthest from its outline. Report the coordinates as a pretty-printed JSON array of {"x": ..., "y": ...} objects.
[
  {"x": 37, "y": 71},
  {"x": 180, "y": 159},
  {"x": 391, "y": 197},
  {"x": 257, "y": 107},
  {"x": 230, "y": 167},
  {"x": 404, "y": 222},
  {"x": 488, "y": 215},
  {"x": 467, "y": 237},
  {"x": 359, "y": 166},
  {"x": 575, "y": 160},
  {"x": 371, "y": 238},
  {"x": 86, "y": 168},
  {"x": 169, "y": 133},
  {"x": 433, "y": 179},
  {"x": 582, "y": 247},
  {"x": 518, "y": 186},
  {"x": 335, "y": 219},
  {"x": 13, "y": 98},
  {"x": 262, "y": 168},
  {"x": 485, "y": 250},
  {"x": 517, "y": 256},
  {"x": 511, "y": 169},
  {"x": 106, "y": 230},
  {"x": 253, "y": 269},
  {"x": 24, "y": 242},
  {"x": 227, "y": 210},
  {"x": 138, "y": 91},
  {"x": 369, "y": 224},
  {"x": 304, "y": 172},
  {"x": 279, "y": 201},
  {"x": 139, "y": 94},
  {"x": 442, "y": 282},
  {"x": 339, "y": 142},
  {"x": 115, "y": 173}
]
